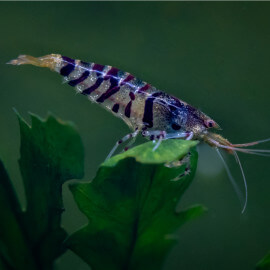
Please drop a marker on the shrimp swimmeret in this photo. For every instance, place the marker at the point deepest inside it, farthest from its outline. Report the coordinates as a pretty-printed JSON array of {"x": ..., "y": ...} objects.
[{"x": 146, "y": 110}]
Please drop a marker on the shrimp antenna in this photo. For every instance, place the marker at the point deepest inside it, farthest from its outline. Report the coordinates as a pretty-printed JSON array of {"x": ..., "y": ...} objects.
[
  {"x": 234, "y": 184},
  {"x": 252, "y": 143},
  {"x": 237, "y": 147},
  {"x": 244, "y": 178}
]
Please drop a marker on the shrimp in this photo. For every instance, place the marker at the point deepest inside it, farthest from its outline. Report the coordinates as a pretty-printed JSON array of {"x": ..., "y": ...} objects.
[{"x": 145, "y": 109}]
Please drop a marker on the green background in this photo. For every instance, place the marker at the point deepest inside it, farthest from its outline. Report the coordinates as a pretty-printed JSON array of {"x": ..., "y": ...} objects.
[{"x": 215, "y": 56}]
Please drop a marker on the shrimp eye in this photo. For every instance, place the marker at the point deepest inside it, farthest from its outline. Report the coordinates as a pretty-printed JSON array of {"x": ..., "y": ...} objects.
[
  {"x": 209, "y": 123},
  {"x": 176, "y": 127}
]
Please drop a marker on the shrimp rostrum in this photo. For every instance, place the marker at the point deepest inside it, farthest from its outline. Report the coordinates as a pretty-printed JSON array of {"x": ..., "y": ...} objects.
[{"x": 146, "y": 110}]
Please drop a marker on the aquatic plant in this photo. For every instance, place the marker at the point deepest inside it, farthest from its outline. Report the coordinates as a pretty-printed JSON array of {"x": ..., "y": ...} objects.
[{"x": 130, "y": 204}]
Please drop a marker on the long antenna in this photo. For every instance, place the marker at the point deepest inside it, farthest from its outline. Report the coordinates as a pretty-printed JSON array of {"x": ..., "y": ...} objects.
[
  {"x": 245, "y": 182},
  {"x": 251, "y": 143},
  {"x": 234, "y": 184},
  {"x": 258, "y": 152}
]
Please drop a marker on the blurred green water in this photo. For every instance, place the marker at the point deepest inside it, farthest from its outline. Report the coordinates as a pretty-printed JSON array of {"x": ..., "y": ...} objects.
[{"x": 215, "y": 56}]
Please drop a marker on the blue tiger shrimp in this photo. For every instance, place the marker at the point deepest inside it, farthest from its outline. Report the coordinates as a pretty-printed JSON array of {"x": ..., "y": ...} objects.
[{"x": 148, "y": 111}]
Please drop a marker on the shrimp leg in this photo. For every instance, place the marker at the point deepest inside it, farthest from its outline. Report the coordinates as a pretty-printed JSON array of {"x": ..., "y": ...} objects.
[
  {"x": 125, "y": 138},
  {"x": 162, "y": 135}
]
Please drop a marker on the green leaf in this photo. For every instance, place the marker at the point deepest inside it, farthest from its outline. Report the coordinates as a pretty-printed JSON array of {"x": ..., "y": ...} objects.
[
  {"x": 130, "y": 206},
  {"x": 168, "y": 151},
  {"x": 51, "y": 153},
  {"x": 14, "y": 248},
  {"x": 264, "y": 264}
]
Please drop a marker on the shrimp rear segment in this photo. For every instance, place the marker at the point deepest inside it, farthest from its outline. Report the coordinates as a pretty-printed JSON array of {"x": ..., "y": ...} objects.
[{"x": 49, "y": 61}]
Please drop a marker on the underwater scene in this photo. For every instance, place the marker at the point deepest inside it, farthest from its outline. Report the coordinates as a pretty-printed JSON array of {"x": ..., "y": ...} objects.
[{"x": 148, "y": 145}]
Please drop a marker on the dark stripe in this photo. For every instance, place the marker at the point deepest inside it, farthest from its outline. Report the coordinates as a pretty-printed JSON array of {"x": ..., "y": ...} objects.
[
  {"x": 98, "y": 67},
  {"x": 113, "y": 81},
  {"x": 67, "y": 69},
  {"x": 148, "y": 109},
  {"x": 175, "y": 104},
  {"x": 132, "y": 95},
  {"x": 114, "y": 88},
  {"x": 108, "y": 93},
  {"x": 128, "y": 109},
  {"x": 157, "y": 94},
  {"x": 79, "y": 80},
  {"x": 144, "y": 88},
  {"x": 115, "y": 108},
  {"x": 148, "y": 112},
  {"x": 112, "y": 72},
  {"x": 92, "y": 88},
  {"x": 128, "y": 78}
]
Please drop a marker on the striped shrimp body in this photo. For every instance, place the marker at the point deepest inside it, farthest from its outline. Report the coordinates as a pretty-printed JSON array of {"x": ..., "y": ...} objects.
[{"x": 146, "y": 110}]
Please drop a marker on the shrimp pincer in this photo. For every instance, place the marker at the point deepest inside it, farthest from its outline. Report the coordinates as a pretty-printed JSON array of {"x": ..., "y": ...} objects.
[{"x": 145, "y": 109}]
